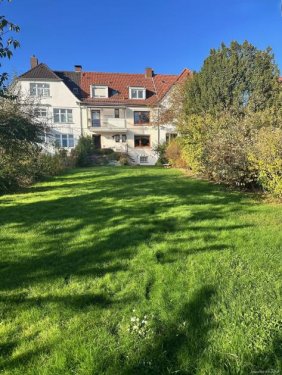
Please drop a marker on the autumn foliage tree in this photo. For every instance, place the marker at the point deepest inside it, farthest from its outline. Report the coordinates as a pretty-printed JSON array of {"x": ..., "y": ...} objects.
[{"x": 235, "y": 94}]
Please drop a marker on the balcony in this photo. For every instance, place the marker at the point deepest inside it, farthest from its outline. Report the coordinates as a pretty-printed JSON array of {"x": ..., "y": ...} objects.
[{"x": 108, "y": 125}]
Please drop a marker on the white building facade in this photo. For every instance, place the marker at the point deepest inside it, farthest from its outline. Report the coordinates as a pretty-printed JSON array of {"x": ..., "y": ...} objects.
[{"x": 119, "y": 111}]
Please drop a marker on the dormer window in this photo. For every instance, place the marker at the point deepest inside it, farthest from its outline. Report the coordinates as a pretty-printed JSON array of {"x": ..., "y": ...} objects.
[
  {"x": 137, "y": 93},
  {"x": 98, "y": 91}
]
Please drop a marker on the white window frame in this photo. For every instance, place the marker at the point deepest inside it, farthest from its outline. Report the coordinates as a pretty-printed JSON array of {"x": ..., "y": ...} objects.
[
  {"x": 144, "y": 159},
  {"x": 138, "y": 91},
  {"x": 60, "y": 137},
  {"x": 38, "y": 112},
  {"x": 41, "y": 89},
  {"x": 67, "y": 112},
  {"x": 106, "y": 88}
]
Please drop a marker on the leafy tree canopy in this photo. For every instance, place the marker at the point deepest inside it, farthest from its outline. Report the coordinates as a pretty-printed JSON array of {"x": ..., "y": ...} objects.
[
  {"x": 233, "y": 79},
  {"x": 7, "y": 44}
]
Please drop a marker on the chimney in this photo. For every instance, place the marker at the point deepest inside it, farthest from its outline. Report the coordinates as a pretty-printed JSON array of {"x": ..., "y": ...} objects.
[
  {"x": 33, "y": 61},
  {"x": 149, "y": 73},
  {"x": 78, "y": 68}
]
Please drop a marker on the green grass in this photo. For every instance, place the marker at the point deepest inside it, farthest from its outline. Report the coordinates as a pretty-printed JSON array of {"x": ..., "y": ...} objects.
[{"x": 87, "y": 253}]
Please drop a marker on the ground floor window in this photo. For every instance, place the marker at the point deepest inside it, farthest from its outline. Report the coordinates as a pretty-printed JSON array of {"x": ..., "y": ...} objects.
[
  {"x": 170, "y": 137},
  {"x": 118, "y": 138},
  {"x": 64, "y": 140},
  {"x": 141, "y": 140},
  {"x": 143, "y": 159}
]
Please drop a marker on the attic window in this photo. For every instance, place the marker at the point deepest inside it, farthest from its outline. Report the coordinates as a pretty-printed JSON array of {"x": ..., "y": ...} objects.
[
  {"x": 137, "y": 93},
  {"x": 75, "y": 90},
  {"x": 98, "y": 91}
]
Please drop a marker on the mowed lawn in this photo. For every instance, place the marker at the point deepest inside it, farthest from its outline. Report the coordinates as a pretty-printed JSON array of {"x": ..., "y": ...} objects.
[{"x": 130, "y": 270}]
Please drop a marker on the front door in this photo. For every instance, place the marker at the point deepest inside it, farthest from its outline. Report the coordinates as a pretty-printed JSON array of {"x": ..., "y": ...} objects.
[{"x": 97, "y": 141}]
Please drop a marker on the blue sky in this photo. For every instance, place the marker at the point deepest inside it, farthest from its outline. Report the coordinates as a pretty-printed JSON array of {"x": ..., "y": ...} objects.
[{"x": 128, "y": 35}]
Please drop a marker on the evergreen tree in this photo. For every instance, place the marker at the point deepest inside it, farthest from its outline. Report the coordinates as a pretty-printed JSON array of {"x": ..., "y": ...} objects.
[{"x": 233, "y": 79}]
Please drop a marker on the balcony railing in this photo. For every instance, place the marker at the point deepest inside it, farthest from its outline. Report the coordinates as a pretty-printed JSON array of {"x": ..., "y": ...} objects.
[{"x": 108, "y": 123}]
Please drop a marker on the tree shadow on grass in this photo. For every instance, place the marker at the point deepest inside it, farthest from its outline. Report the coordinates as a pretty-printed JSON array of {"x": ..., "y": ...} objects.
[
  {"x": 179, "y": 345},
  {"x": 116, "y": 220},
  {"x": 96, "y": 228}
]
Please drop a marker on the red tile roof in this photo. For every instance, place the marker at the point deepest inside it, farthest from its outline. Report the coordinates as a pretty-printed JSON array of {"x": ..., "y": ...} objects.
[
  {"x": 280, "y": 79},
  {"x": 119, "y": 83}
]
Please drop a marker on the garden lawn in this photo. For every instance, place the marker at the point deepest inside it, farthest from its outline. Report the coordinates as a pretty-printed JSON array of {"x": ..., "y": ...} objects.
[{"x": 131, "y": 270}]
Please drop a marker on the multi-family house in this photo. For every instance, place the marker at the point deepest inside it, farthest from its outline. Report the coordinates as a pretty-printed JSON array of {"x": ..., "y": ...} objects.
[{"x": 120, "y": 111}]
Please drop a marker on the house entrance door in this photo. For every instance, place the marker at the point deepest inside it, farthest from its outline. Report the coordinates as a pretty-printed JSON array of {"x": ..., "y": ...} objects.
[{"x": 97, "y": 141}]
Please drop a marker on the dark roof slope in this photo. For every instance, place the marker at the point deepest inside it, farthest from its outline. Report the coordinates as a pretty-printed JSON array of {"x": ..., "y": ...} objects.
[
  {"x": 41, "y": 71},
  {"x": 72, "y": 80}
]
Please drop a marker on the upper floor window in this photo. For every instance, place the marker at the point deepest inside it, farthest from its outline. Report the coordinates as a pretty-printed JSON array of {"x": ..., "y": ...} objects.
[
  {"x": 39, "y": 89},
  {"x": 40, "y": 112},
  {"x": 98, "y": 91},
  {"x": 141, "y": 117},
  {"x": 96, "y": 118},
  {"x": 116, "y": 112},
  {"x": 137, "y": 93},
  {"x": 63, "y": 115}
]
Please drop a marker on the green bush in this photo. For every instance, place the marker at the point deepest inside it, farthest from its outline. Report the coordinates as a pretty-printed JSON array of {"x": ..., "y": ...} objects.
[
  {"x": 160, "y": 150},
  {"x": 174, "y": 154},
  {"x": 83, "y": 151},
  {"x": 22, "y": 169},
  {"x": 266, "y": 156}
]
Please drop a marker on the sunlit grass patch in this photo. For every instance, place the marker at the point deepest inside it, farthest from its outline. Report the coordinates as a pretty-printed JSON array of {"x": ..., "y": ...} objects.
[{"x": 138, "y": 271}]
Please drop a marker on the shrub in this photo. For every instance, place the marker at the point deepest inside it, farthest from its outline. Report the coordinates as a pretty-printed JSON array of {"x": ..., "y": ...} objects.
[
  {"x": 83, "y": 151},
  {"x": 174, "y": 154},
  {"x": 21, "y": 170},
  {"x": 225, "y": 153},
  {"x": 266, "y": 156},
  {"x": 160, "y": 150}
]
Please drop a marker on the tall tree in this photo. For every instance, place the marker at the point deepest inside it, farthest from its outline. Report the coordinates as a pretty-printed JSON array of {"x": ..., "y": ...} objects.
[
  {"x": 7, "y": 45},
  {"x": 233, "y": 79},
  {"x": 234, "y": 95}
]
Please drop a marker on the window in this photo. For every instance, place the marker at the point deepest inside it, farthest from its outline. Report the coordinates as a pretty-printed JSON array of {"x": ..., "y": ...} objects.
[
  {"x": 116, "y": 113},
  {"x": 96, "y": 119},
  {"x": 39, "y": 89},
  {"x": 117, "y": 138},
  {"x": 143, "y": 159},
  {"x": 123, "y": 138},
  {"x": 63, "y": 115},
  {"x": 141, "y": 117},
  {"x": 71, "y": 140},
  {"x": 141, "y": 140},
  {"x": 170, "y": 136},
  {"x": 40, "y": 112},
  {"x": 137, "y": 93},
  {"x": 58, "y": 140},
  {"x": 64, "y": 140},
  {"x": 100, "y": 91}
]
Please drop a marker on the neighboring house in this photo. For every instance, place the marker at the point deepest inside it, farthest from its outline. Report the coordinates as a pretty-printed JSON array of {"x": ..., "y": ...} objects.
[{"x": 118, "y": 110}]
